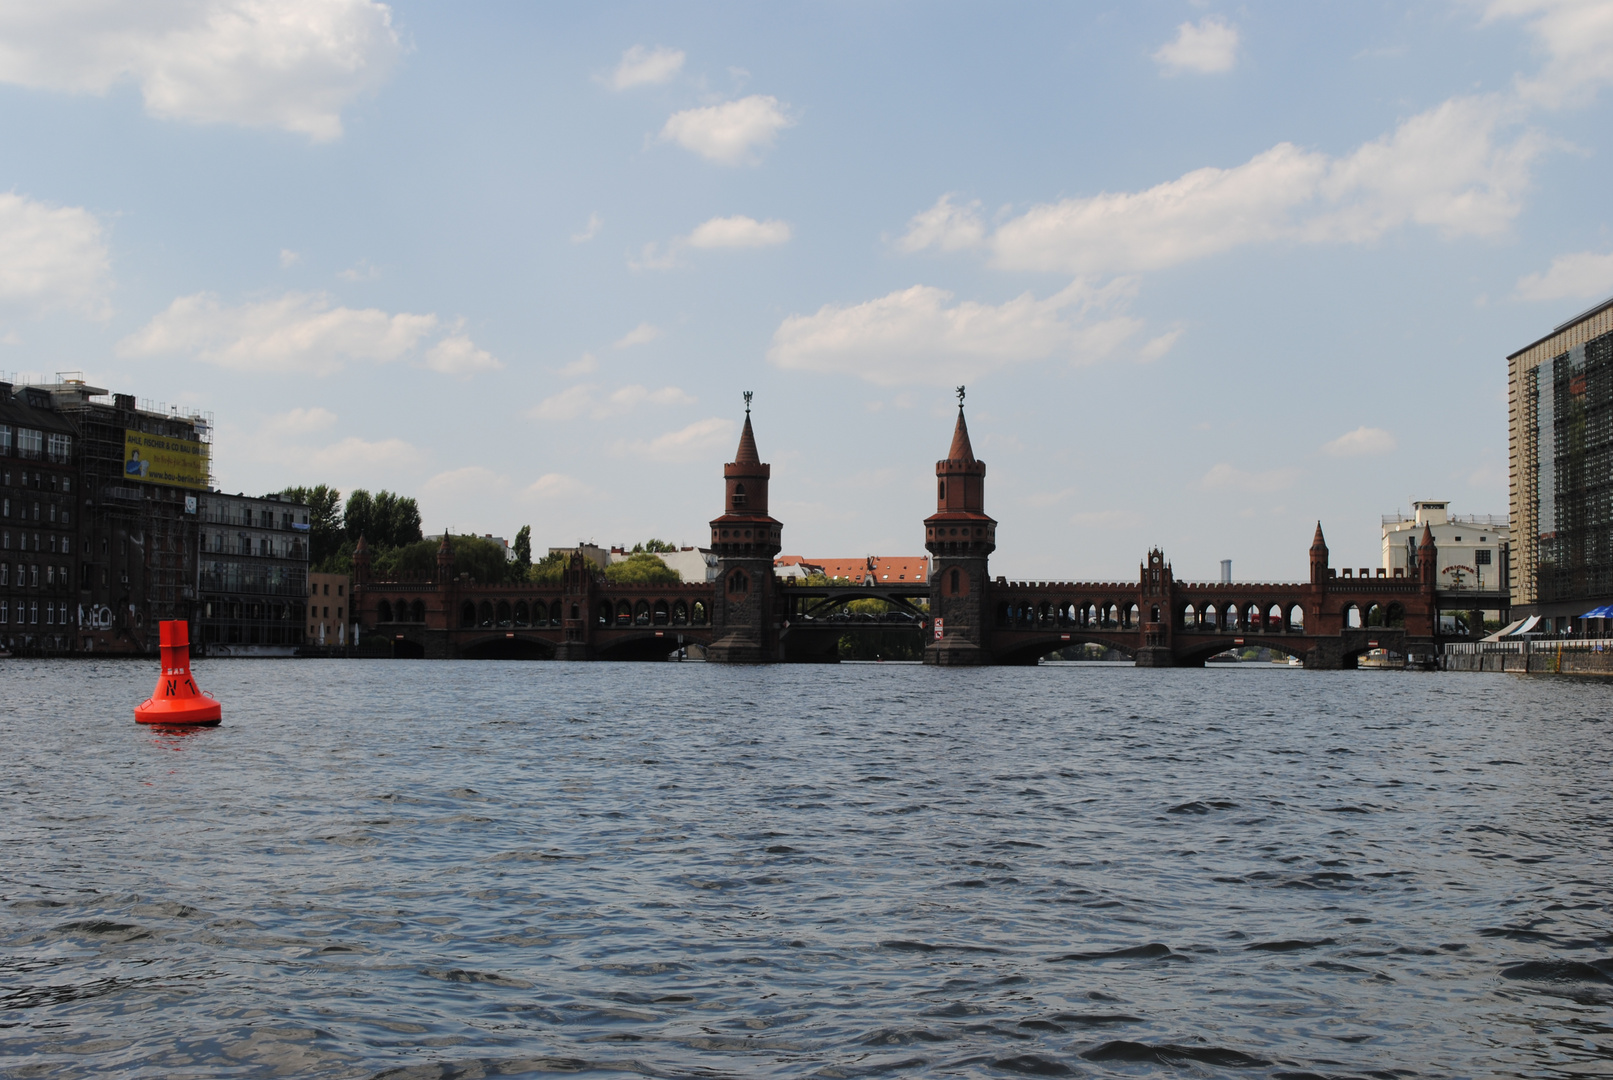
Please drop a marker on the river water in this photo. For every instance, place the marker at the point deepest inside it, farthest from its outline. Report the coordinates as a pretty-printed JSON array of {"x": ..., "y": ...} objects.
[{"x": 424, "y": 869}]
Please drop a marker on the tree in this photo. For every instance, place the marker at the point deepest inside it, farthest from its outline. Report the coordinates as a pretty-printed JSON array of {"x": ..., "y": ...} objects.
[
  {"x": 551, "y": 569},
  {"x": 641, "y": 568},
  {"x": 523, "y": 549},
  {"x": 386, "y": 520},
  {"x": 359, "y": 519},
  {"x": 325, "y": 535},
  {"x": 481, "y": 559},
  {"x": 654, "y": 546}
]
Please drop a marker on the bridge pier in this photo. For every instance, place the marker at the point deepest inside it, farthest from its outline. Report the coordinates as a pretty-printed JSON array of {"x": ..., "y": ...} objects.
[{"x": 1155, "y": 656}]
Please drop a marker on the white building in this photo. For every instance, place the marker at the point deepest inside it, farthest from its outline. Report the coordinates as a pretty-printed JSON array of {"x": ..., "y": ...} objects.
[{"x": 1473, "y": 549}]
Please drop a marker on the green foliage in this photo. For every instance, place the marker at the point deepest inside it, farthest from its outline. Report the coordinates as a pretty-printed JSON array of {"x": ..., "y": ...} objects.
[
  {"x": 641, "y": 568},
  {"x": 386, "y": 520},
  {"x": 523, "y": 549},
  {"x": 482, "y": 559},
  {"x": 652, "y": 545},
  {"x": 549, "y": 570},
  {"x": 325, "y": 538}
]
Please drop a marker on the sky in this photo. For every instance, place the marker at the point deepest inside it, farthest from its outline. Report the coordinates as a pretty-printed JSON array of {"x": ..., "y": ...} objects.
[{"x": 1210, "y": 272}]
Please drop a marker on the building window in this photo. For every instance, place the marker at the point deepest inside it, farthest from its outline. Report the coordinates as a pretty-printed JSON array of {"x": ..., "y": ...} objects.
[
  {"x": 338, "y": 590},
  {"x": 955, "y": 580},
  {"x": 5, "y": 611},
  {"x": 1481, "y": 557},
  {"x": 61, "y": 448},
  {"x": 739, "y": 496}
]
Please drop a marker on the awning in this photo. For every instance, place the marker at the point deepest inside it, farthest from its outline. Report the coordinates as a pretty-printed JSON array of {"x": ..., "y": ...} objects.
[
  {"x": 1505, "y": 630},
  {"x": 1528, "y": 625},
  {"x": 1603, "y": 612}
]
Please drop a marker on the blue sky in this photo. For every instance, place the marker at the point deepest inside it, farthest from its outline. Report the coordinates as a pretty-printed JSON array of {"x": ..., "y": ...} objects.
[{"x": 1210, "y": 271}]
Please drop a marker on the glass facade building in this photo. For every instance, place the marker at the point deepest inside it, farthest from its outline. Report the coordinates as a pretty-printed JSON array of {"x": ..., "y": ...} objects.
[{"x": 1560, "y": 441}]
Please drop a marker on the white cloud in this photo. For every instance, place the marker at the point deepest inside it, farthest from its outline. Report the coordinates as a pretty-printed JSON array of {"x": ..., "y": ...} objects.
[
  {"x": 918, "y": 336},
  {"x": 1157, "y": 347},
  {"x": 644, "y": 67},
  {"x": 297, "y": 422},
  {"x": 557, "y": 486},
  {"x": 738, "y": 231},
  {"x": 1584, "y": 275},
  {"x": 698, "y": 440},
  {"x": 477, "y": 478},
  {"x": 642, "y": 334},
  {"x": 1362, "y": 442},
  {"x": 583, "y": 365},
  {"x": 52, "y": 256},
  {"x": 289, "y": 258},
  {"x": 589, "y": 231},
  {"x": 289, "y": 64},
  {"x": 1209, "y": 47},
  {"x": 586, "y": 400},
  {"x": 652, "y": 257},
  {"x": 458, "y": 355},
  {"x": 1449, "y": 168},
  {"x": 733, "y": 133},
  {"x": 300, "y": 332},
  {"x": 944, "y": 226},
  {"x": 1577, "y": 38},
  {"x": 353, "y": 455},
  {"x": 1225, "y": 477},
  {"x": 363, "y": 270}
]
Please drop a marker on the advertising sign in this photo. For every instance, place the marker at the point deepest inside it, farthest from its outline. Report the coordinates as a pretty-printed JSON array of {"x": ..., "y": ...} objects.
[
  {"x": 938, "y": 623},
  {"x": 157, "y": 459}
]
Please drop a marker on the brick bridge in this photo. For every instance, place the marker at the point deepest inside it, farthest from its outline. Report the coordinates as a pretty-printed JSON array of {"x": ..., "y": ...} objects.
[{"x": 748, "y": 615}]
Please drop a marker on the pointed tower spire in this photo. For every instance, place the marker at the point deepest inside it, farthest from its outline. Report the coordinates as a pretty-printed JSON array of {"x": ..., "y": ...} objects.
[
  {"x": 746, "y": 454},
  {"x": 961, "y": 450},
  {"x": 1319, "y": 570}
]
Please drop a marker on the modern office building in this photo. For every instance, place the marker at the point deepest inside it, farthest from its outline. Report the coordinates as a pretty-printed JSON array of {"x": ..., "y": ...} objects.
[
  {"x": 39, "y": 555},
  {"x": 1560, "y": 442},
  {"x": 252, "y": 583}
]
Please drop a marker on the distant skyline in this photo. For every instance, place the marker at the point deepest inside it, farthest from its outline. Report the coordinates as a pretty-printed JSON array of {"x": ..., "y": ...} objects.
[{"x": 1210, "y": 271}]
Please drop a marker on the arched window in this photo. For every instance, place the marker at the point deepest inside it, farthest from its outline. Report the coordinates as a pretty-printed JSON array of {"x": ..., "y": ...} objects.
[
  {"x": 697, "y": 614},
  {"x": 641, "y": 613},
  {"x": 467, "y": 614},
  {"x": 503, "y": 613},
  {"x": 624, "y": 613},
  {"x": 383, "y": 611},
  {"x": 486, "y": 613},
  {"x": 680, "y": 613},
  {"x": 941, "y": 491},
  {"x": 663, "y": 614},
  {"x": 738, "y": 582},
  {"x": 956, "y": 580},
  {"x": 739, "y": 496},
  {"x": 417, "y": 612},
  {"x": 603, "y": 614}
]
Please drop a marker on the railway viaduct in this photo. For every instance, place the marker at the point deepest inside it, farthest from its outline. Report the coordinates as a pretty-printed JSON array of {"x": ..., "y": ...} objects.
[{"x": 748, "y": 615}]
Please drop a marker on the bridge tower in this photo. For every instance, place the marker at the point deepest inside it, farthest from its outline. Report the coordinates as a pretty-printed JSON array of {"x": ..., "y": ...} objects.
[
  {"x": 960, "y": 538},
  {"x": 745, "y": 619},
  {"x": 1156, "y": 600},
  {"x": 577, "y": 598}
]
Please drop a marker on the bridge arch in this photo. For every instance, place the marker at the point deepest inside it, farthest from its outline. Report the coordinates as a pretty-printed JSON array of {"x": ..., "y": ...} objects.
[{"x": 511, "y": 647}]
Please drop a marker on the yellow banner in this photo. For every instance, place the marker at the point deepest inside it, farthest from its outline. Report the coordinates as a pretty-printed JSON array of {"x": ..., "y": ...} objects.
[{"x": 157, "y": 459}]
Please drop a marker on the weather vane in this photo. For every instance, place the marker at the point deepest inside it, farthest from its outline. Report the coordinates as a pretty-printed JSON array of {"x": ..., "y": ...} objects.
[
  {"x": 960, "y": 397},
  {"x": 747, "y": 402}
]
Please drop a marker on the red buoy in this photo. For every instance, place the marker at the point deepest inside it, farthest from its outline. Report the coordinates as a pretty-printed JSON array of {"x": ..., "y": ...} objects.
[{"x": 176, "y": 700}]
